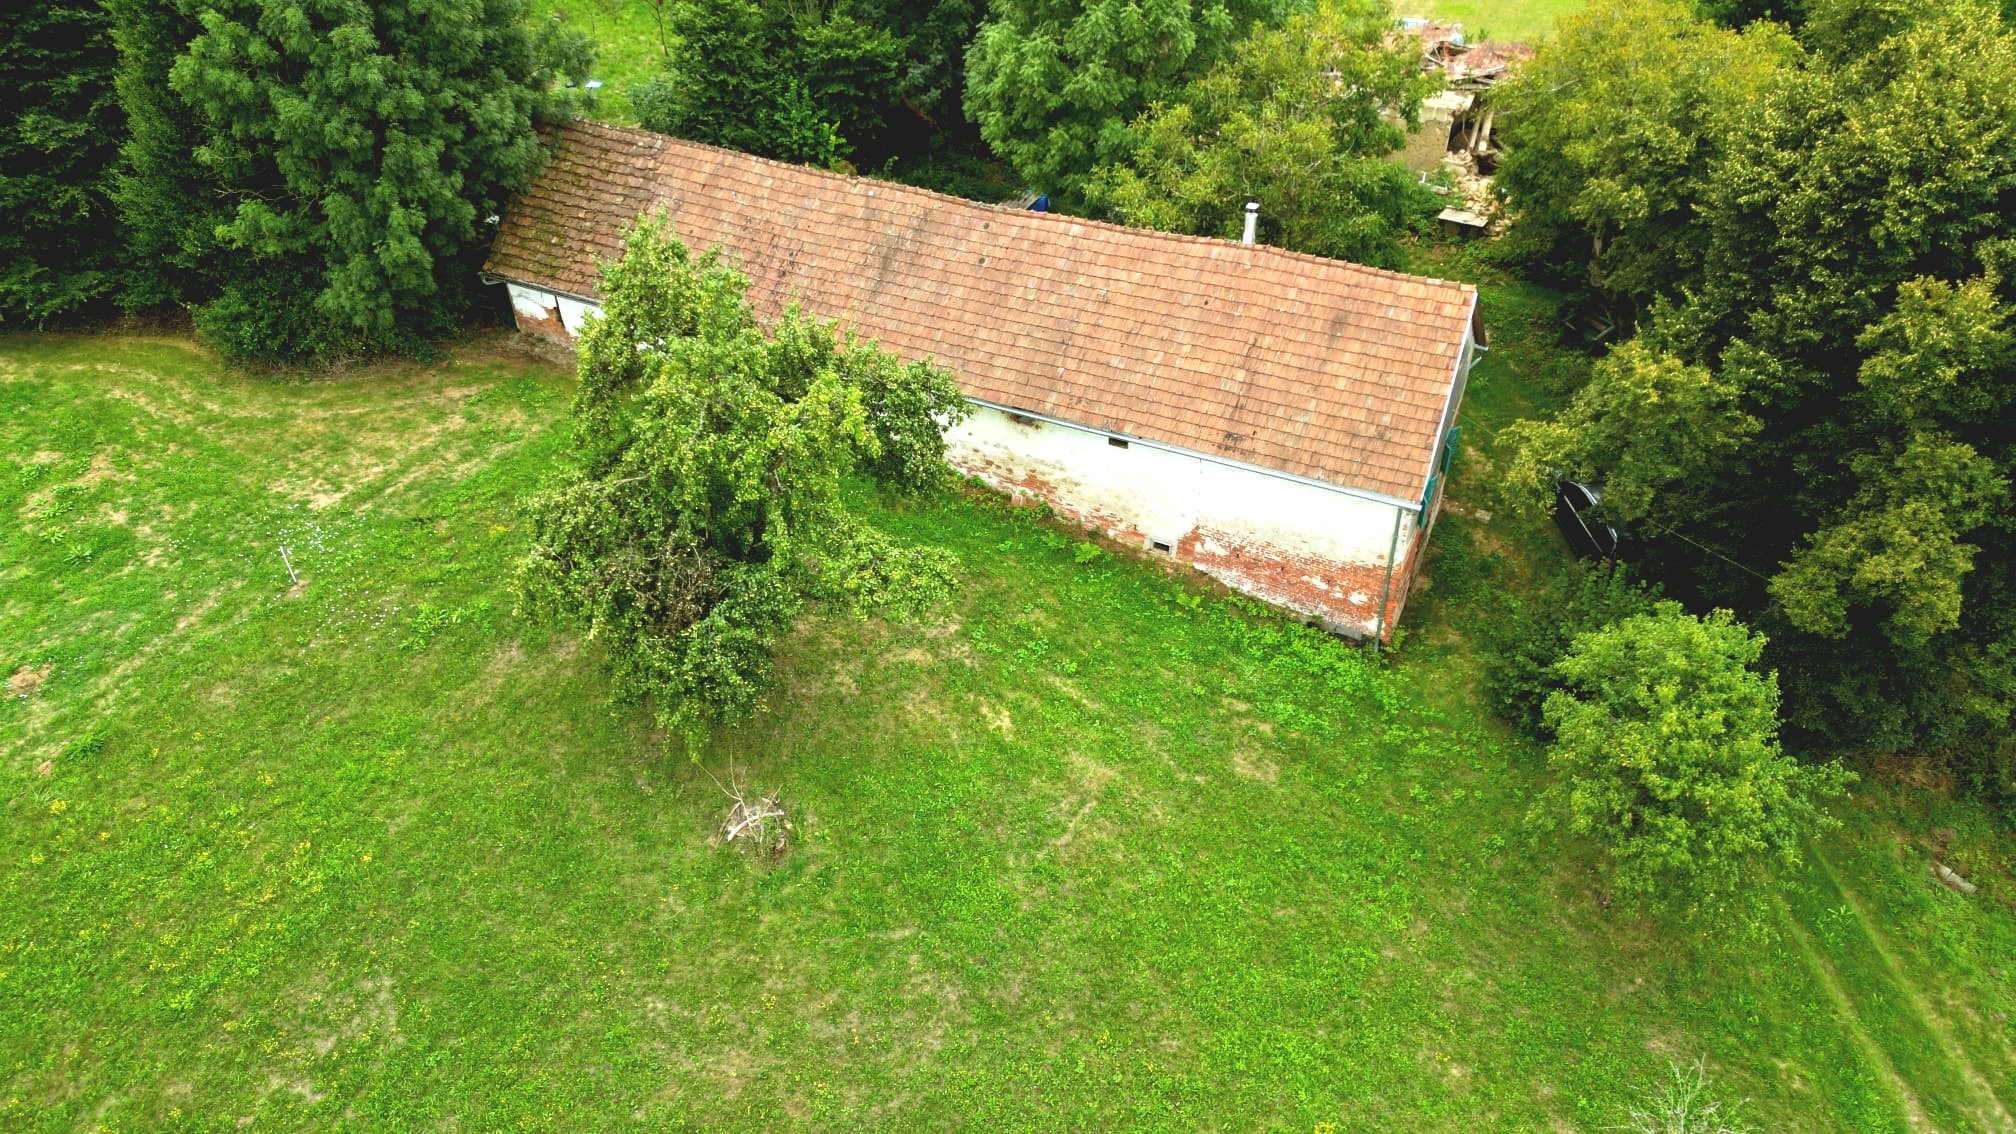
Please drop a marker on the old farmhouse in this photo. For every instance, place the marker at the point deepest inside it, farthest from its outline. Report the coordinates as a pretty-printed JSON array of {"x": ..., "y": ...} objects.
[{"x": 1277, "y": 420}]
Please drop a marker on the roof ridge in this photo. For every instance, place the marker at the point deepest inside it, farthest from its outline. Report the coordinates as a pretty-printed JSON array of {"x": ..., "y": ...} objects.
[
  {"x": 1268, "y": 250},
  {"x": 1318, "y": 367}
]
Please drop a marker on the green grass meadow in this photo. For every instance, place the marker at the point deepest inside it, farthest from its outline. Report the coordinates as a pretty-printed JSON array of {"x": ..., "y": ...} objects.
[
  {"x": 1092, "y": 847},
  {"x": 1528, "y": 21},
  {"x": 627, "y": 47}
]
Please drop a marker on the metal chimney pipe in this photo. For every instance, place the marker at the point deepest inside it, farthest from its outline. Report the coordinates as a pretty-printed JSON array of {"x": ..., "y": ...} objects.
[{"x": 1252, "y": 223}]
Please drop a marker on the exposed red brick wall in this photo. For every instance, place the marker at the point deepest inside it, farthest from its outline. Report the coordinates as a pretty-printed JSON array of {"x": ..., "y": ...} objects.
[
  {"x": 1344, "y": 595},
  {"x": 1403, "y": 579},
  {"x": 548, "y": 326}
]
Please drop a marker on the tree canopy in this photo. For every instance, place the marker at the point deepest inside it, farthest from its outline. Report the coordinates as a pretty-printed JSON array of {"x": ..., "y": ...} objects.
[
  {"x": 705, "y": 506},
  {"x": 169, "y": 206},
  {"x": 1665, "y": 741},
  {"x": 1296, "y": 119},
  {"x": 766, "y": 77},
  {"x": 1612, "y": 131},
  {"x": 935, "y": 34},
  {"x": 59, "y": 140},
  {"x": 1810, "y": 429},
  {"x": 357, "y": 152},
  {"x": 1053, "y": 84}
]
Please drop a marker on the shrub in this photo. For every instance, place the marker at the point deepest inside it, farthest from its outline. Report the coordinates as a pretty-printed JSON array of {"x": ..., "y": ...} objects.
[
  {"x": 772, "y": 80},
  {"x": 1667, "y": 751},
  {"x": 270, "y": 317},
  {"x": 337, "y": 161},
  {"x": 1528, "y": 635},
  {"x": 703, "y": 509},
  {"x": 59, "y": 146}
]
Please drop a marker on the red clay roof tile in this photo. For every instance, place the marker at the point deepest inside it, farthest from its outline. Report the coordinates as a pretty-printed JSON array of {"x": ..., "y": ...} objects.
[{"x": 1317, "y": 367}]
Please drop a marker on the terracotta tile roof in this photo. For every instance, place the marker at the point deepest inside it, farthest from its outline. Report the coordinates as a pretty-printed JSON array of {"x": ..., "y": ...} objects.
[{"x": 1316, "y": 367}]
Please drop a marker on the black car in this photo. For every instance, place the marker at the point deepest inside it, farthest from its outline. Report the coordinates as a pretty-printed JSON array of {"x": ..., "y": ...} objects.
[{"x": 1588, "y": 534}]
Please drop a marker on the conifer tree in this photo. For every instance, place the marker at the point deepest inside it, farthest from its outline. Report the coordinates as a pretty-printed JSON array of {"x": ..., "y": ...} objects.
[
  {"x": 320, "y": 177},
  {"x": 59, "y": 130}
]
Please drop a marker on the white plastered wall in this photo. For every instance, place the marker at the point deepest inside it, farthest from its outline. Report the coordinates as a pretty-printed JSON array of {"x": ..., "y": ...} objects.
[
  {"x": 537, "y": 309},
  {"x": 1304, "y": 546}
]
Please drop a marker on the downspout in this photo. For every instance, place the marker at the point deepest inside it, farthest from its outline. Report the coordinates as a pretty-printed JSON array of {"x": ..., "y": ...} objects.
[{"x": 1386, "y": 592}]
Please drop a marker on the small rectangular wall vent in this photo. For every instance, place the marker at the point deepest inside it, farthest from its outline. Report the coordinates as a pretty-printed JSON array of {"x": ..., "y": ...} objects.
[
  {"x": 1023, "y": 419},
  {"x": 1117, "y": 442},
  {"x": 1162, "y": 546}
]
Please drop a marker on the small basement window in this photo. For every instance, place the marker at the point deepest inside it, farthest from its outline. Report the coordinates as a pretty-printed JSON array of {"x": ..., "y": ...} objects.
[
  {"x": 1161, "y": 546},
  {"x": 1117, "y": 442}
]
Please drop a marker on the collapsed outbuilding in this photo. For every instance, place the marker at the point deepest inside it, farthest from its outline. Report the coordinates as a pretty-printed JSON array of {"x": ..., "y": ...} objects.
[
  {"x": 1279, "y": 421},
  {"x": 1457, "y": 131}
]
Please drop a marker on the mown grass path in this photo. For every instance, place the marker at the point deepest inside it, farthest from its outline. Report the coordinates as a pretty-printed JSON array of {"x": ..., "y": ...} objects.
[
  {"x": 1968, "y": 1090},
  {"x": 1088, "y": 848}
]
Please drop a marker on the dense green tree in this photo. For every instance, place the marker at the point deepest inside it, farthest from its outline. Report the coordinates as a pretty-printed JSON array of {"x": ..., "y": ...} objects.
[
  {"x": 1053, "y": 84},
  {"x": 1844, "y": 29},
  {"x": 1296, "y": 120},
  {"x": 170, "y": 206},
  {"x": 1856, "y": 178},
  {"x": 358, "y": 151},
  {"x": 1841, "y": 23},
  {"x": 1816, "y": 434},
  {"x": 1665, "y": 745},
  {"x": 1903, "y": 586},
  {"x": 1647, "y": 425},
  {"x": 770, "y": 77},
  {"x": 59, "y": 140},
  {"x": 1526, "y": 630},
  {"x": 1846, "y": 180},
  {"x": 704, "y": 508},
  {"x": 1611, "y": 134},
  {"x": 934, "y": 35},
  {"x": 1741, "y": 13},
  {"x": 1897, "y": 549}
]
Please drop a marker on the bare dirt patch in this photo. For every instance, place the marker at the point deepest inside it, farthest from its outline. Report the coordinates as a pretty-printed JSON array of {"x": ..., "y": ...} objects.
[
  {"x": 997, "y": 718},
  {"x": 152, "y": 407},
  {"x": 195, "y": 616},
  {"x": 400, "y": 442},
  {"x": 1254, "y": 766},
  {"x": 1070, "y": 689},
  {"x": 366, "y": 1013},
  {"x": 1093, "y": 778},
  {"x": 502, "y": 663},
  {"x": 28, "y": 680},
  {"x": 100, "y": 471},
  {"x": 303, "y": 1087},
  {"x": 943, "y": 629}
]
